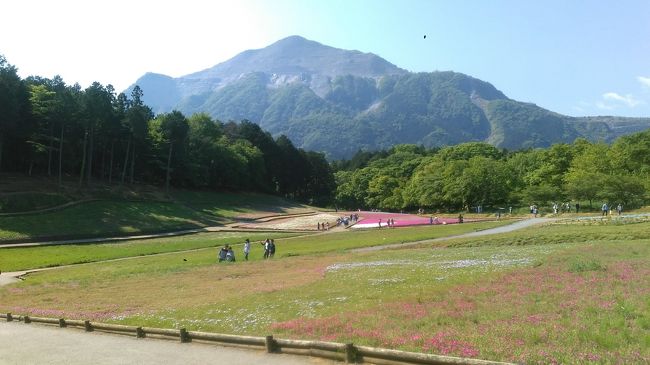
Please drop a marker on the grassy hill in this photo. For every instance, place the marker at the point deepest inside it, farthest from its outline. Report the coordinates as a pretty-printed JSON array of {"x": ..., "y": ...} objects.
[{"x": 32, "y": 208}]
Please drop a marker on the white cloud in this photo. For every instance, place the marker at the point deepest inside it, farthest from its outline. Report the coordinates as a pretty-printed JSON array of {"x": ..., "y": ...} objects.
[
  {"x": 645, "y": 81},
  {"x": 628, "y": 99}
]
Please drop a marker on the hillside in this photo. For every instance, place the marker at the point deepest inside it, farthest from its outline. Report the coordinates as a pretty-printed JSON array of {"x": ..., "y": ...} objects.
[{"x": 338, "y": 101}]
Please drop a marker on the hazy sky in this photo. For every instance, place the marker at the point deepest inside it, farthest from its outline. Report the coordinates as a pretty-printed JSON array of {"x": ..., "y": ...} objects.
[{"x": 571, "y": 56}]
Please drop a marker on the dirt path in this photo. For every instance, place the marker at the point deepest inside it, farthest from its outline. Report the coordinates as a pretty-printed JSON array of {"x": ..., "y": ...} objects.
[
  {"x": 39, "y": 344},
  {"x": 7, "y": 278},
  {"x": 525, "y": 223}
]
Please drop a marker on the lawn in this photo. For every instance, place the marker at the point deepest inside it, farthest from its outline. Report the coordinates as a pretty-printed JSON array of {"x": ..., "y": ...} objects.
[
  {"x": 229, "y": 205},
  {"x": 117, "y": 216},
  {"x": 22, "y": 258},
  {"x": 103, "y": 217},
  {"x": 562, "y": 294}
]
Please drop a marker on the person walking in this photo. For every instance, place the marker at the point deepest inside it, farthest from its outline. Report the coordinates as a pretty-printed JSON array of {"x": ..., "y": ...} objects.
[
  {"x": 619, "y": 209},
  {"x": 266, "y": 244},
  {"x": 605, "y": 209},
  {"x": 247, "y": 249},
  {"x": 271, "y": 248}
]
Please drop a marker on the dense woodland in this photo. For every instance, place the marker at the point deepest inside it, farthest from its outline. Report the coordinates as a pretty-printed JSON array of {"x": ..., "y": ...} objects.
[
  {"x": 474, "y": 174},
  {"x": 62, "y": 131},
  {"x": 94, "y": 135}
]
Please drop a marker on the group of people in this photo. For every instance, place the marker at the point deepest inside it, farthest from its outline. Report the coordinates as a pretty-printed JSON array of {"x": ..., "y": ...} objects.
[
  {"x": 323, "y": 226},
  {"x": 606, "y": 209},
  {"x": 390, "y": 223},
  {"x": 564, "y": 208},
  {"x": 227, "y": 254}
]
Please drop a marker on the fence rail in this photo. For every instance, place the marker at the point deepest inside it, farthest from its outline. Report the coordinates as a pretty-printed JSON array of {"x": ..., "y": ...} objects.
[{"x": 346, "y": 352}]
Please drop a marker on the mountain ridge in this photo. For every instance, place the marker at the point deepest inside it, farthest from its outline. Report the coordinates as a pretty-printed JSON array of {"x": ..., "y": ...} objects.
[{"x": 338, "y": 101}]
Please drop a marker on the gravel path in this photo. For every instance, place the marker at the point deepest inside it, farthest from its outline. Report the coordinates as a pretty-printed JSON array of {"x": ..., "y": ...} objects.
[
  {"x": 24, "y": 344},
  {"x": 503, "y": 229}
]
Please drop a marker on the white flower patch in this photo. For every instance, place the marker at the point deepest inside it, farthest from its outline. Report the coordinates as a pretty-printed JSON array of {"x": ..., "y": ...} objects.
[
  {"x": 355, "y": 265},
  {"x": 376, "y": 282},
  {"x": 494, "y": 261}
]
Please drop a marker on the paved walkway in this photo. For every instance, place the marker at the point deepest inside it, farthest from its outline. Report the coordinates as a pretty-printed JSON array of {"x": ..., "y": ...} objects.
[
  {"x": 503, "y": 229},
  {"x": 26, "y": 344}
]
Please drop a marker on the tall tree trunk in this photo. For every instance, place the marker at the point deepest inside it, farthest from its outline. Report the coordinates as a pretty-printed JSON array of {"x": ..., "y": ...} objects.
[
  {"x": 126, "y": 161},
  {"x": 1, "y": 140},
  {"x": 83, "y": 159},
  {"x": 61, "y": 154},
  {"x": 103, "y": 173},
  {"x": 89, "y": 171},
  {"x": 49, "y": 150},
  {"x": 133, "y": 164},
  {"x": 110, "y": 166},
  {"x": 169, "y": 162}
]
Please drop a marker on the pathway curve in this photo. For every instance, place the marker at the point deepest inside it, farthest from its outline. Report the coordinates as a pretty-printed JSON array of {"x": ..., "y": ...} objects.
[
  {"x": 525, "y": 223},
  {"x": 40, "y": 344},
  {"x": 7, "y": 278}
]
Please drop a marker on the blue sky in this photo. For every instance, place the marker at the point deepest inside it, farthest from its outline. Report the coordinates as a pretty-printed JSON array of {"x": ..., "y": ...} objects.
[{"x": 574, "y": 57}]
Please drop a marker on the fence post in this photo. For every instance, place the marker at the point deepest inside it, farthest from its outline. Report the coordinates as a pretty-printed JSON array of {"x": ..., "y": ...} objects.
[
  {"x": 270, "y": 344},
  {"x": 87, "y": 326},
  {"x": 26, "y": 319},
  {"x": 185, "y": 337},
  {"x": 9, "y": 317},
  {"x": 350, "y": 353},
  {"x": 61, "y": 322},
  {"x": 139, "y": 332}
]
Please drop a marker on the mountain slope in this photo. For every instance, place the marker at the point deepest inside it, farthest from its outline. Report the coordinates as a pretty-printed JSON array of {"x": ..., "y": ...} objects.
[{"x": 338, "y": 101}]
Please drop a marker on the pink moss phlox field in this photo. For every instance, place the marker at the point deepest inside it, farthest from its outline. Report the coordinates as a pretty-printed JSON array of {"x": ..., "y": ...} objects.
[{"x": 542, "y": 315}]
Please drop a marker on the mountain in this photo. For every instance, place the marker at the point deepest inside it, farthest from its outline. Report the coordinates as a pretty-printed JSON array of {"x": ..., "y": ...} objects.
[{"x": 339, "y": 101}]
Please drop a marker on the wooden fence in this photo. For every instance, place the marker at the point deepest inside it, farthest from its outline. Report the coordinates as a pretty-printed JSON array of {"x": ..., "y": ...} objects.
[{"x": 346, "y": 352}]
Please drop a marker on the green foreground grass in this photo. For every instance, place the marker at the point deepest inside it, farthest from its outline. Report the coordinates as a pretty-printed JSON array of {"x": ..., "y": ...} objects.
[
  {"x": 555, "y": 294},
  {"x": 23, "y": 258}
]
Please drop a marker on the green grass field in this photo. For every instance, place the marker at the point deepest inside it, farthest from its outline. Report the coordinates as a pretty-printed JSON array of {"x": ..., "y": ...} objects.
[
  {"x": 14, "y": 259},
  {"x": 553, "y": 294},
  {"x": 117, "y": 216},
  {"x": 103, "y": 217}
]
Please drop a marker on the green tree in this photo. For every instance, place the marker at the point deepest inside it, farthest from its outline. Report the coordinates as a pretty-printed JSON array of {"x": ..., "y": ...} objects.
[
  {"x": 173, "y": 128},
  {"x": 13, "y": 105}
]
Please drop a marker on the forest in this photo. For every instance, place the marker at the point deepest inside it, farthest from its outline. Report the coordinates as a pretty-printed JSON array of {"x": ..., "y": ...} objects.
[
  {"x": 95, "y": 135},
  {"x": 468, "y": 175}
]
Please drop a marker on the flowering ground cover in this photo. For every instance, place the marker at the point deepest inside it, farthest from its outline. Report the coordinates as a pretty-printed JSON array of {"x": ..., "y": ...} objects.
[{"x": 553, "y": 294}]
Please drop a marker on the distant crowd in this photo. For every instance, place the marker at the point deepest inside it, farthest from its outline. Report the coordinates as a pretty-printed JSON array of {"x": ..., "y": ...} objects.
[{"x": 606, "y": 209}]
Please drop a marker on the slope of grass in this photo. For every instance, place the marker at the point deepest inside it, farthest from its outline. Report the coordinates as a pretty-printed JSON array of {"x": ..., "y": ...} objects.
[
  {"x": 230, "y": 205},
  {"x": 101, "y": 218},
  {"x": 24, "y": 258},
  {"x": 557, "y": 299}
]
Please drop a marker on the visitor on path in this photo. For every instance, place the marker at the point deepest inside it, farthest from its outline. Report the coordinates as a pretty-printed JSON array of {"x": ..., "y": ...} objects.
[
  {"x": 535, "y": 211},
  {"x": 247, "y": 249},
  {"x": 619, "y": 209},
  {"x": 605, "y": 209},
  {"x": 318, "y": 226},
  {"x": 327, "y": 226},
  {"x": 222, "y": 253},
  {"x": 266, "y": 244},
  {"x": 431, "y": 220},
  {"x": 577, "y": 207},
  {"x": 379, "y": 223},
  {"x": 271, "y": 248},
  {"x": 460, "y": 218}
]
